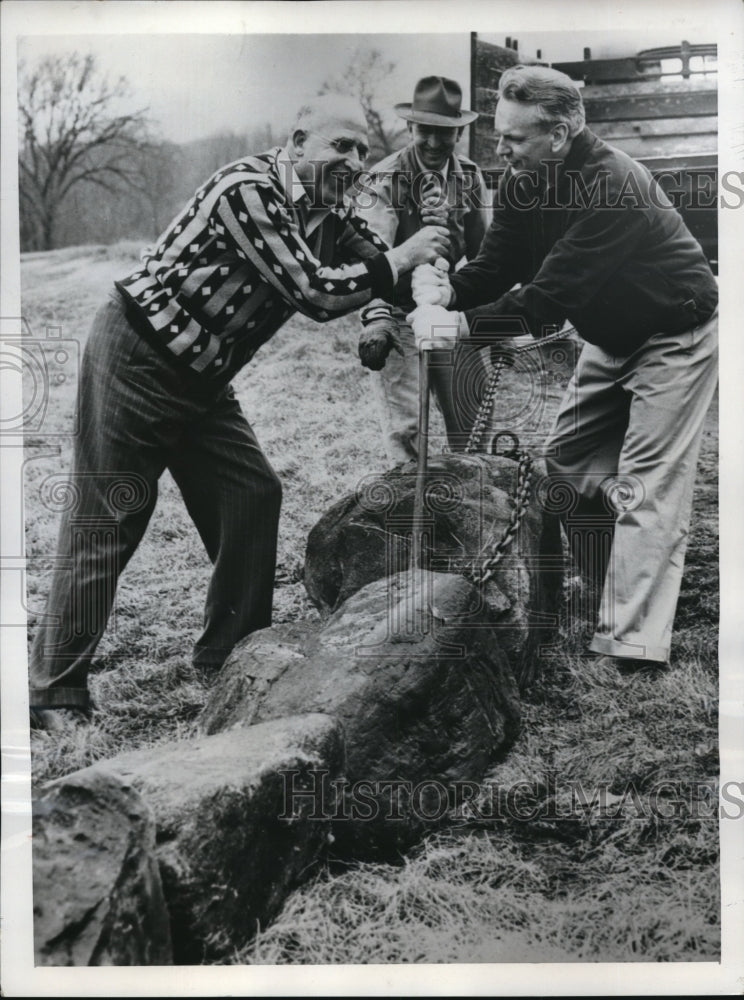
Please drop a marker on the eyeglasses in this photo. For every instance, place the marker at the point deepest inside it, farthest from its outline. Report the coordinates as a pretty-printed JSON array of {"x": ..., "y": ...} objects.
[{"x": 345, "y": 147}]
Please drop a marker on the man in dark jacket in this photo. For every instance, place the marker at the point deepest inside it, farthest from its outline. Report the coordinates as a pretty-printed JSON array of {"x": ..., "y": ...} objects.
[{"x": 591, "y": 238}]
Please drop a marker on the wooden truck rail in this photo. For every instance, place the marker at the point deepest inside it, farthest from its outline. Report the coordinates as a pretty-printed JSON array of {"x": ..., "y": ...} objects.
[{"x": 660, "y": 106}]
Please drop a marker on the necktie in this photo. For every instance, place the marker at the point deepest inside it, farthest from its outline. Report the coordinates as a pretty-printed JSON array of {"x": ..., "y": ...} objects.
[
  {"x": 433, "y": 193},
  {"x": 431, "y": 189}
]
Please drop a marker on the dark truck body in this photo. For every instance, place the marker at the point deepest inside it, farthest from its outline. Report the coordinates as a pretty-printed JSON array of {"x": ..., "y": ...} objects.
[{"x": 660, "y": 106}]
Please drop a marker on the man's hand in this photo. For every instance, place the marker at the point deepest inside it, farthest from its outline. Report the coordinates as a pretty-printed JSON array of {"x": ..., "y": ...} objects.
[
  {"x": 434, "y": 328},
  {"x": 376, "y": 341},
  {"x": 423, "y": 247},
  {"x": 430, "y": 284},
  {"x": 434, "y": 213}
]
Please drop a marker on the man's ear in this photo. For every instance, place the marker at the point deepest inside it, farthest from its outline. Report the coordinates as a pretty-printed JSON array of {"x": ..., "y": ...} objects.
[
  {"x": 559, "y": 137},
  {"x": 298, "y": 140},
  {"x": 459, "y": 133}
]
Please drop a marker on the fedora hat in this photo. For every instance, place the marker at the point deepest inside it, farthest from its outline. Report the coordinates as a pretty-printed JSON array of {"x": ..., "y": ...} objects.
[{"x": 436, "y": 101}]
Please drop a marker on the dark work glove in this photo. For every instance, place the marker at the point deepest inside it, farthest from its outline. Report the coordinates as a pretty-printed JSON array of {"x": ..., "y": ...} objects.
[{"x": 377, "y": 339}]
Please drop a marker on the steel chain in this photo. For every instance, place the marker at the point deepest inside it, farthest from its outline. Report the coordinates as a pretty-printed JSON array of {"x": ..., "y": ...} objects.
[
  {"x": 486, "y": 404},
  {"x": 482, "y": 568}
]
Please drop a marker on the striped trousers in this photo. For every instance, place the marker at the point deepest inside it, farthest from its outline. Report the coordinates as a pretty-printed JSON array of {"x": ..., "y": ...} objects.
[{"x": 137, "y": 416}]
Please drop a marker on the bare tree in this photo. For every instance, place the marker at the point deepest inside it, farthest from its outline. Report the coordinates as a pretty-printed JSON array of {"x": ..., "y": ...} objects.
[
  {"x": 70, "y": 133},
  {"x": 362, "y": 77},
  {"x": 156, "y": 171}
]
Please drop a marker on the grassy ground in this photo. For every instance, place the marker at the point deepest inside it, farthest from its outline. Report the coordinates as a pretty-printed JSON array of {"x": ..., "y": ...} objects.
[{"x": 619, "y": 879}]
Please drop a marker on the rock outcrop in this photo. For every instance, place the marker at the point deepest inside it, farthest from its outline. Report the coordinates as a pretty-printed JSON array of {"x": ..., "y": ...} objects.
[
  {"x": 231, "y": 841},
  {"x": 412, "y": 670},
  {"x": 359, "y": 733},
  {"x": 98, "y": 898},
  {"x": 365, "y": 537}
]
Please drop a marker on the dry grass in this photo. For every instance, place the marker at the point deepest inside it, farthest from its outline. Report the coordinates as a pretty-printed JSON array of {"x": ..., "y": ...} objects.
[
  {"x": 483, "y": 898},
  {"x": 597, "y": 884},
  {"x": 606, "y": 873}
]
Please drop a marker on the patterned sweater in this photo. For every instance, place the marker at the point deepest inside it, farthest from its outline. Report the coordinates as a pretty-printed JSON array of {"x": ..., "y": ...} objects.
[{"x": 241, "y": 258}]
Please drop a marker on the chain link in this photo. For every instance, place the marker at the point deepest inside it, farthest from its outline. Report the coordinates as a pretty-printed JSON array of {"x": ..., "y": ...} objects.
[
  {"x": 482, "y": 568},
  {"x": 486, "y": 406},
  {"x": 489, "y": 395}
]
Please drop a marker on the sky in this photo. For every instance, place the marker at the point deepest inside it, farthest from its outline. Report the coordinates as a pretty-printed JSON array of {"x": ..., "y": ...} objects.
[
  {"x": 198, "y": 84},
  {"x": 195, "y": 85}
]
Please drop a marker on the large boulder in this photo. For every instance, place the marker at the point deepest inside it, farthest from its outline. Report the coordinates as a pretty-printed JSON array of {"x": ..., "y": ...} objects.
[
  {"x": 233, "y": 835},
  {"x": 469, "y": 499},
  {"x": 413, "y": 670},
  {"x": 250, "y": 670},
  {"x": 98, "y": 899}
]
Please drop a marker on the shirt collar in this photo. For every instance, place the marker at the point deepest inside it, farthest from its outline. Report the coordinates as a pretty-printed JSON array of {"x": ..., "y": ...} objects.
[
  {"x": 293, "y": 186},
  {"x": 427, "y": 170},
  {"x": 581, "y": 146},
  {"x": 297, "y": 193}
]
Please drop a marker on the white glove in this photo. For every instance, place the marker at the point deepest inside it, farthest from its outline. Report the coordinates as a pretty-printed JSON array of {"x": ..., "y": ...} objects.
[
  {"x": 430, "y": 284},
  {"x": 434, "y": 327}
]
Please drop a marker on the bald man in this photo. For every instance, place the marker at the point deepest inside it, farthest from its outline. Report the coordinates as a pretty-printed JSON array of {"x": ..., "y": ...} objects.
[{"x": 263, "y": 238}]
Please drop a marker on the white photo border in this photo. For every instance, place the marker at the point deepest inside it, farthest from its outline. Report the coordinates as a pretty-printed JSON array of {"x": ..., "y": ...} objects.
[{"x": 497, "y": 17}]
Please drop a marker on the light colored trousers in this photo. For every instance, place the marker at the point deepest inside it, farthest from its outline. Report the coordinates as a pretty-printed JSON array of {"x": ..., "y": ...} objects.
[
  {"x": 624, "y": 449},
  {"x": 456, "y": 378}
]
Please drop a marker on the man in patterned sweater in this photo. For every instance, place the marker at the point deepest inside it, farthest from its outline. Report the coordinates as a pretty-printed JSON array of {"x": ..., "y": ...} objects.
[
  {"x": 265, "y": 237},
  {"x": 424, "y": 183}
]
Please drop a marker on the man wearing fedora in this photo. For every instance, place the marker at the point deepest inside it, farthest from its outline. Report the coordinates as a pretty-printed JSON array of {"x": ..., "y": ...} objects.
[{"x": 424, "y": 183}]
